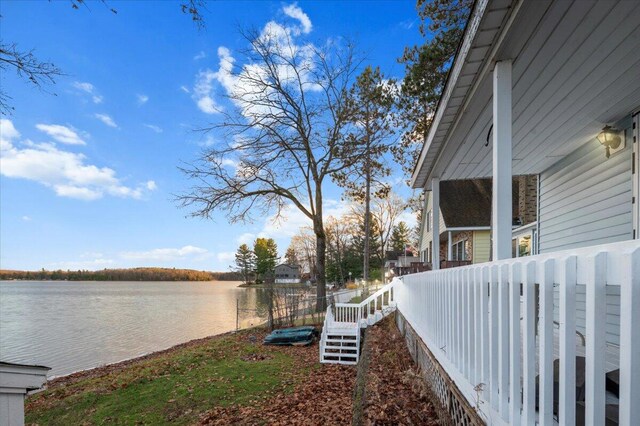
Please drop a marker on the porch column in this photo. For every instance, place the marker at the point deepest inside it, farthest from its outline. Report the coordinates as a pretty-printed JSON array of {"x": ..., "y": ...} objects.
[
  {"x": 449, "y": 246},
  {"x": 435, "y": 193},
  {"x": 501, "y": 199}
]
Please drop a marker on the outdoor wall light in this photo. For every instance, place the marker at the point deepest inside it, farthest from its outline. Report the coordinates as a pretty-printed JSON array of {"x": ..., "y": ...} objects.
[{"x": 610, "y": 138}]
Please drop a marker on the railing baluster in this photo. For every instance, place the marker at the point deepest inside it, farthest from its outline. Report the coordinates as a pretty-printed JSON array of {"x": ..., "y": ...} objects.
[
  {"x": 630, "y": 339},
  {"x": 596, "y": 344},
  {"x": 529, "y": 344},
  {"x": 493, "y": 336},
  {"x": 478, "y": 343},
  {"x": 545, "y": 330},
  {"x": 503, "y": 340},
  {"x": 464, "y": 309},
  {"x": 484, "y": 330},
  {"x": 470, "y": 308},
  {"x": 457, "y": 305},
  {"x": 567, "y": 403},
  {"x": 514, "y": 339}
]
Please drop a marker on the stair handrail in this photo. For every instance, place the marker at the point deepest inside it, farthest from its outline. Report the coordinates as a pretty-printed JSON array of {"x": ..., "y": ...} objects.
[{"x": 365, "y": 303}]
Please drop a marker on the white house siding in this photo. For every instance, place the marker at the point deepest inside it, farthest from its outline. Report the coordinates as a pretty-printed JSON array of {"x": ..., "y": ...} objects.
[
  {"x": 427, "y": 235},
  {"x": 586, "y": 199}
]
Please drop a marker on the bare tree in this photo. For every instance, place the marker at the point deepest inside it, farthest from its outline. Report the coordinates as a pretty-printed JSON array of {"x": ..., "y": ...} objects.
[
  {"x": 386, "y": 212},
  {"x": 286, "y": 133},
  {"x": 339, "y": 235},
  {"x": 304, "y": 242},
  {"x": 27, "y": 66}
]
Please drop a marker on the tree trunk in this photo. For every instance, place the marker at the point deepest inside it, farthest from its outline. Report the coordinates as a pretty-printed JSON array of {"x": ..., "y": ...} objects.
[
  {"x": 321, "y": 283},
  {"x": 367, "y": 213},
  {"x": 321, "y": 250}
]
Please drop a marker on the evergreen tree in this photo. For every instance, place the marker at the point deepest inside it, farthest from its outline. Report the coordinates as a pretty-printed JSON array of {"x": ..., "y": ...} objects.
[
  {"x": 245, "y": 262},
  {"x": 375, "y": 261},
  {"x": 266, "y": 256},
  {"x": 426, "y": 70},
  {"x": 400, "y": 237},
  {"x": 373, "y": 99}
]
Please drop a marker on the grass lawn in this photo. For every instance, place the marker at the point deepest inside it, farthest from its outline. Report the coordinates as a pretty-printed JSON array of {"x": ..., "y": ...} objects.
[
  {"x": 356, "y": 299},
  {"x": 174, "y": 386}
]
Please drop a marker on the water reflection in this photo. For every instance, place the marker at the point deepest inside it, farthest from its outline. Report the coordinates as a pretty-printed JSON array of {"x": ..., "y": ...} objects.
[{"x": 71, "y": 326}]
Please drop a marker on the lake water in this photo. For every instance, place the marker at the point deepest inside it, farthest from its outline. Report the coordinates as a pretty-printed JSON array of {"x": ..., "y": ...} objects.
[{"x": 71, "y": 326}]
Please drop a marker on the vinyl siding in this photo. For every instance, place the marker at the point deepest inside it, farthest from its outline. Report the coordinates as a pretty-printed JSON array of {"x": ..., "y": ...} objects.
[
  {"x": 427, "y": 235},
  {"x": 585, "y": 199},
  {"x": 481, "y": 246}
]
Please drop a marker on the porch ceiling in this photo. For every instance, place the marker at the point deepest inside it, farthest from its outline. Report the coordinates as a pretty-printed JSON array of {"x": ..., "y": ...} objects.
[{"x": 575, "y": 68}]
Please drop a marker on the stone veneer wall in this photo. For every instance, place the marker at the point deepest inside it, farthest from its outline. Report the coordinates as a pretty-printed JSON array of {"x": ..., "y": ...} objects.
[{"x": 528, "y": 198}]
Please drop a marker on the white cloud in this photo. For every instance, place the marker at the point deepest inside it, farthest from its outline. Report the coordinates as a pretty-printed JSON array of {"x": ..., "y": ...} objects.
[
  {"x": 26, "y": 218},
  {"x": 74, "y": 265},
  {"x": 142, "y": 99},
  {"x": 226, "y": 256},
  {"x": 106, "y": 119},
  {"x": 167, "y": 254},
  {"x": 246, "y": 238},
  {"x": 241, "y": 86},
  {"x": 89, "y": 89},
  {"x": 151, "y": 185},
  {"x": 67, "y": 173},
  {"x": 184, "y": 89},
  {"x": 292, "y": 219},
  {"x": 200, "y": 55},
  {"x": 62, "y": 134},
  {"x": 8, "y": 133},
  {"x": 153, "y": 127},
  {"x": 295, "y": 12},
  {"x": 202, "y": 92}
]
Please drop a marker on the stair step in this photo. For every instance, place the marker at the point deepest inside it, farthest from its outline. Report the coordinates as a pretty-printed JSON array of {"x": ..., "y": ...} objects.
[{"x": 339, "y": 350}]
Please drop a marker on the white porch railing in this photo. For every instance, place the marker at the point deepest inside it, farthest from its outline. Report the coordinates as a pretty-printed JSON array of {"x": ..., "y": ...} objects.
[
  {"x": 364, "y": 313},
  {"x": 340, "y": 339},
  {"x": 479, "y": 322}
]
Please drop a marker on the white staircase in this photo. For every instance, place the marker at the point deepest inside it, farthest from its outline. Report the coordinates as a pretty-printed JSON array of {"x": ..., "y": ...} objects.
[{"x": 340, "y": 340}]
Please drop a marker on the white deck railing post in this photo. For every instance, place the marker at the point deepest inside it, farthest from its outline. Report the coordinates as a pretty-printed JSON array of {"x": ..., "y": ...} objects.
[
  {"x": 596, "y": 312},
  {"x": 567, "y": 403},
  {"x": 630, "y": 339}
]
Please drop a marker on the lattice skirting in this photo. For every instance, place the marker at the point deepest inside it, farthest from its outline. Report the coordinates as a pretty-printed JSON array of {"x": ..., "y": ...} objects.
[{"x": 460, "y": 411}]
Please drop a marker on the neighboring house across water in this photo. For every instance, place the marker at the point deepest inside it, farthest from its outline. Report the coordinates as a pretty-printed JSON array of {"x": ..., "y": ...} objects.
[
  {"x": 287, "y": 274},
  {"x": 465, "y": 221}
]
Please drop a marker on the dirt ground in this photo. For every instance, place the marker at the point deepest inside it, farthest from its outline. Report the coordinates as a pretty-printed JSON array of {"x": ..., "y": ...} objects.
[{"x": 395, "y": 394}]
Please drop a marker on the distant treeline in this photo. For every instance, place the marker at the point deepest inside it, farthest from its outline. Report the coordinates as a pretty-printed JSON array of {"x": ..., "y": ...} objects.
[{"x": 131, "y": 274}]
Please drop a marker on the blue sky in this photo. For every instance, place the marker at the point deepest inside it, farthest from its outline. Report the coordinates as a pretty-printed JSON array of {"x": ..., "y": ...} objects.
[{"x": 89, "y": 166}]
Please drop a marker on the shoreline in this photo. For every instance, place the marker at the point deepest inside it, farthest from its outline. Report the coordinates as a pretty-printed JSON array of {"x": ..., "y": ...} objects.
[{"x": 102, "y": 370}]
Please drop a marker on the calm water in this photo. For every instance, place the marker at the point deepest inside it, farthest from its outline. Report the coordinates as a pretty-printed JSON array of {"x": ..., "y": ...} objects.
[{"x": 72, "y": 326}]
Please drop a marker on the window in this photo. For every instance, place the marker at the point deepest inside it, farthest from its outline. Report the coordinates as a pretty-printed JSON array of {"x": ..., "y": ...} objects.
[
  {"x": 458, "y": 250},
  {"x": 430, "y": 252},
  {"x": 429, "y": 221},
  {"x": 524, "y": 244}
]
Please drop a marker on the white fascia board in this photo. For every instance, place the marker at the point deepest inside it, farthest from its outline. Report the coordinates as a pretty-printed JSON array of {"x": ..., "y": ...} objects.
[{"x": 470, "y": 35}]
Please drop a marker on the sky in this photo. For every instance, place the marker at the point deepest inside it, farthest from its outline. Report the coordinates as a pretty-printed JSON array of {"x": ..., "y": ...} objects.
[{"x": 89, "y": 166}]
